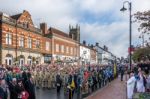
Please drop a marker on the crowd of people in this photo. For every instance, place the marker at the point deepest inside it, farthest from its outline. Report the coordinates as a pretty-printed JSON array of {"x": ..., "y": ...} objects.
[
  {"x": 16, "y": 83},
  {"x": 139, "y": 80},
  {"x": 20, "y": 82}
]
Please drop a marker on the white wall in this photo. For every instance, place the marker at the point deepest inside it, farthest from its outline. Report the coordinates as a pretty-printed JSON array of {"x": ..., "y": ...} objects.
[
  {"x": 25, "y": 54},
  {"x": 85, "y": 54}
]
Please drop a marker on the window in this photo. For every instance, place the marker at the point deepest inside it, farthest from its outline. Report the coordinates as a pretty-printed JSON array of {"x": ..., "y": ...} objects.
[
  {"x": 67, "y": 49},
  {"x": 21, "y": 62},
  {"x": 21, "y": 41},
  {"x": 57, "y": 47},
  {"x": 47, "y": 46},
  {"x": 29, "y": 60},
  {"x": 8, "y": 39},
  {"x": 29, "y": 43},
  {"x": 8, "y": 59},
  {"x": 71, "y": 50},
  {"x": 37, "y": 43},
  {"x": 62, "y": 48},
  {"x": 75, "y": 51},
  {"x": 47, "y": 59}
]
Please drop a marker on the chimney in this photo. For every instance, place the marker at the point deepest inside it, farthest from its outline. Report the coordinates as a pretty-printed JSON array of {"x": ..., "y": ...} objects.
[
  {"x": 105, "y": 48},
  {"x": 92, "y": 46},
  {"x": 43, "y": 27},
  {"x": 84, "y": 42},
  {"x": 97, "y": 44}
]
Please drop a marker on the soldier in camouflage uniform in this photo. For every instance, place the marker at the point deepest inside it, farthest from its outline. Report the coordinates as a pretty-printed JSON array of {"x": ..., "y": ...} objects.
[
  {"x": 46, "y": 79},
  {"x": 37, "y": 79},
  {"x": 49, "y": 79},
  {"x": 40, "y": 78},
  {"x": 53, "y": 80},
  {"x": 43, "y": 79}
]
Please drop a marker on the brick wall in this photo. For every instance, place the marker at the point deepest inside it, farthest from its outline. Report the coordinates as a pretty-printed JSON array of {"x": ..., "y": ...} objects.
[
  {"x": 66, "y": 44},
  {"x": 26, "y": 34}
]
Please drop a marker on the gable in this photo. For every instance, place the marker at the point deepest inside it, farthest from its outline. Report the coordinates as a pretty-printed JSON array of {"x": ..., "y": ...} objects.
[{"x": 25, "y": 18}]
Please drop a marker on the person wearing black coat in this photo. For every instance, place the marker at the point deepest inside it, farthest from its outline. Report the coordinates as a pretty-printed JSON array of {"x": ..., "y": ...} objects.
[
  {"x": 75, "y": 80},
  {"x": 12, "y": 88},
  {"x": 19, "y": 89},
  {"x": 58, "y": 82},
  {"x": 2, "y": 93},
  {"x": 30, "y": 87},
  {"x": 122, "y": 73},
  {"x": 94, "y": 86},
  {"x": 24, "y": 76}
]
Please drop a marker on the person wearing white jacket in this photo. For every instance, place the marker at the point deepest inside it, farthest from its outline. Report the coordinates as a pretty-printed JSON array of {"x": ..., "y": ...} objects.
[
  {"x": 130, "y": 85},
  {"x": 140, "y": 83}
]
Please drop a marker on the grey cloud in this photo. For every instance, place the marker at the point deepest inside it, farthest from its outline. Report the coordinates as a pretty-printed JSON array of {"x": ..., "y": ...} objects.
[{"x": 61, "y": 13}]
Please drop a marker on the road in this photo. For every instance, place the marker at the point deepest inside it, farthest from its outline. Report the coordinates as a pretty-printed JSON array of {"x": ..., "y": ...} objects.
[
  {"x": 51, "y": 94},
  {"x": 114, "y": 90}
]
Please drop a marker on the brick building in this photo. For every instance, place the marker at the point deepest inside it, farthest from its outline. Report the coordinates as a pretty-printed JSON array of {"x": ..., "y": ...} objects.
[
  {"x": 21, "y": 42},
  {"x": 65, "y": 46}
]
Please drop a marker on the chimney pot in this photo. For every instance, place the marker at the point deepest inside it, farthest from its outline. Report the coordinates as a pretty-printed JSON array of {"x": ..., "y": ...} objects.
[
  {"x": 84, "y": 42},
  {"x": 97, "y": 44}
]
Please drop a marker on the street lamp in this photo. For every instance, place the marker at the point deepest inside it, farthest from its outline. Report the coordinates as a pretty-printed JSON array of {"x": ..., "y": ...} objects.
[{"x": 130, "y": 27}]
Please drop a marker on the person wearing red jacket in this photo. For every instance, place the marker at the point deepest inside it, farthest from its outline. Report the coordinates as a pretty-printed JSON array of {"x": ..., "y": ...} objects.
[{"x": 24, "y": 95}]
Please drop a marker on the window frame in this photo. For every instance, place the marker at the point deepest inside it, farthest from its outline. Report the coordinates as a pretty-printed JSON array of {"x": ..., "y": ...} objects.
[
  {"x": 37, "y": 43},
  {"x": 29, "y": 42},
  {"x": 57, "y": 47},
  {"x": 62, "y": 48},
  {"x": 47, "y": 46},
  {"x": 8, "y": 39},
  {"x": 21, "y": 41}
]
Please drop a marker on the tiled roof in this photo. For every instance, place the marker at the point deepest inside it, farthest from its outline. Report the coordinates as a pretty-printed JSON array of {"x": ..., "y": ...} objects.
[
  {"x": 16, "y": 16},
  {"x": 58, "y": 32}
]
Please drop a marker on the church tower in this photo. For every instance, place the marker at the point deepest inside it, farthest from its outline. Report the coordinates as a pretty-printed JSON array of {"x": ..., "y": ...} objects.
[{"x": 74, "y": 32}]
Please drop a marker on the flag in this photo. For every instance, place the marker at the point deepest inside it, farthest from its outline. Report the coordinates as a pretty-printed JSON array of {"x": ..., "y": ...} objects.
[
  {"x": 72, "y": 84},
  {"x": 115, "y": 70}
]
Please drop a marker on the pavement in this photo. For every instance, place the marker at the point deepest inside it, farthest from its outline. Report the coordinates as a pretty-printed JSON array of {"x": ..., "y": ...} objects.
[{"x": 114, "y": 90}]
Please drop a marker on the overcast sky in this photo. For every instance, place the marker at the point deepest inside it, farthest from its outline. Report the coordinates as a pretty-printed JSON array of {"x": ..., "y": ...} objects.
[{"x": 100, "y": 20}]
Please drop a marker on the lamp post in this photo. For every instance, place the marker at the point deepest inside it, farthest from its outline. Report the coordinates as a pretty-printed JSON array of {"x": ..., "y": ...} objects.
[{"x": 130, "y": 28}]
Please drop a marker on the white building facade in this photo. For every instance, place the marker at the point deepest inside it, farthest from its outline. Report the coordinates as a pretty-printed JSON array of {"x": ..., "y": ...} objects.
[{"x": 85, "y": 55}]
